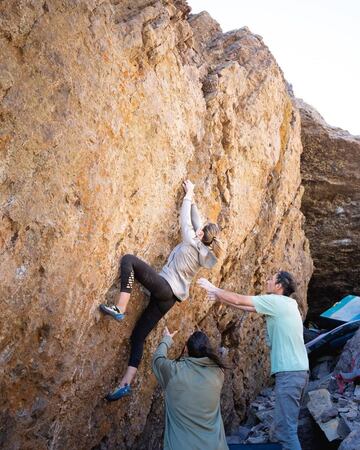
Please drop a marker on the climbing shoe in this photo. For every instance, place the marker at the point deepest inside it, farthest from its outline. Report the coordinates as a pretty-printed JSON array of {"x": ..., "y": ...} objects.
[
  {"x": 112, "y": 311},
  {"x": 119, "y": 393}
]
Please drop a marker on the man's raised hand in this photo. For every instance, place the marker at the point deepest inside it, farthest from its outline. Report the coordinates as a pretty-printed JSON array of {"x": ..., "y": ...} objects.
[
  {"x": 167, "y": 332},
  {"x": 209, "y": 287},
  {"x": 205, "y": 284}
]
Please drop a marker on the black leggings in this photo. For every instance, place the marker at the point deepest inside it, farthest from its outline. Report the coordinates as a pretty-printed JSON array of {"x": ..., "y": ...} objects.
[{"x": 162, "y": 299}]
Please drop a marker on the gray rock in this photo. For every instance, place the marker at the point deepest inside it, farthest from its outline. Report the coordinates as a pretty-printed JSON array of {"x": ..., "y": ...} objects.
[
  {"x": 243, "y": 433},
  {"x": 341, "y": 401},
  {"x": 259, "y": 428},
  {"x": 267, "y": 392},
  {"x": 357, "y": 393},
  {"x": 344, "y": 410},
  {"x": 258, "y": 405},
  {"x": 320, "y": 371},
  {"x": 328, "y": 414},
  {"x": 233, "y": 439},
  {"x": 260, "y": 439},
  {"x": 319, "y": 402},
  {"x": 318, "y": 405},
  {"x": 239, "y": 437},
  {"x": 351, "y": 442},
  {"x": 343, "y": 428},
  {"x": 266, "y": 416},
  {"x": 323, "y": 383},
  {"x": 351, "y": 414}
]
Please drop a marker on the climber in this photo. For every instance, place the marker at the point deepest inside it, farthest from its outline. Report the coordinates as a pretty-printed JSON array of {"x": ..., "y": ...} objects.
[
  {"x": 200, "y": 247},
  {"x": 288, "y": 356},
  {"x": 192, "y": 386}
]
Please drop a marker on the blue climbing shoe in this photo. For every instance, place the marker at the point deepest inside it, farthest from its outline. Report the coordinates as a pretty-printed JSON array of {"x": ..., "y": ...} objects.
[
  {"x": 119, "y": 393},
  {"x": 112, "y": 311}
]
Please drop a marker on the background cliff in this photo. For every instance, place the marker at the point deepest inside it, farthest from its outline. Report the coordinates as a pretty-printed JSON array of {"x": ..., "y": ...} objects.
[
  {"x": 106, "y": 107},
  {"x": 330, "y": 172}
]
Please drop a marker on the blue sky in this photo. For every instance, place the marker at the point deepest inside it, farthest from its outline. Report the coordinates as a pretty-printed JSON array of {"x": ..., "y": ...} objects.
[{"x": 316, "y": 43}]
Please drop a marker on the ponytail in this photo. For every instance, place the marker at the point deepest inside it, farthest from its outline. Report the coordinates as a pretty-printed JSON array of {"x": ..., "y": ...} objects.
[
  {"x": 211, "y": 239},
  {"x": 217, "y": 247}
]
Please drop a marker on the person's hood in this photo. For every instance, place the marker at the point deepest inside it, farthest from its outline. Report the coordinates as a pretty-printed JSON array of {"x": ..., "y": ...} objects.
[{"x": 204, "y": 362}]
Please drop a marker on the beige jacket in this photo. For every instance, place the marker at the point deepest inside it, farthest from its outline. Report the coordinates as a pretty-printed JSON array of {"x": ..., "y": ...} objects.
[{"x": 188, "y": 257}]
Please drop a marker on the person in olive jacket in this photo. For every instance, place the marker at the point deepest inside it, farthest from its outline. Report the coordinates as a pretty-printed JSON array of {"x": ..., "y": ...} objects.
[{"x": 192, "y": 386}]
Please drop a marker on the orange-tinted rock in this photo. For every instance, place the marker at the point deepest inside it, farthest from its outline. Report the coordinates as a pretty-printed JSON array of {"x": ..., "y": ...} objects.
[{"x": 105, "y": 108}]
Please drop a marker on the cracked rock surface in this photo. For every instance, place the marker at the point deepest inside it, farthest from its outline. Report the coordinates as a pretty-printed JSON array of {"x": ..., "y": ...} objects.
[{"x": 105, "y": 107}]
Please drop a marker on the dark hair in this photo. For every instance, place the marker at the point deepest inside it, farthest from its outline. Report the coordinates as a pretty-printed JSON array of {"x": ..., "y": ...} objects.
[
  {"x": 198, "y": 346},
  {"x": 287, "y": 282}
]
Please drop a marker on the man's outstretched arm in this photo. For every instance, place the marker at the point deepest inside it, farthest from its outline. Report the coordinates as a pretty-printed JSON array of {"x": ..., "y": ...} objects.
[{"x": 244, "y": 302}]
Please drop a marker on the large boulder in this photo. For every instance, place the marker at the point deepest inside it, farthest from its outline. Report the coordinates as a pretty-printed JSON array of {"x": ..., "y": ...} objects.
[
  {"x": 330, "y": 171},
  {"x": 106, "y": 107}
]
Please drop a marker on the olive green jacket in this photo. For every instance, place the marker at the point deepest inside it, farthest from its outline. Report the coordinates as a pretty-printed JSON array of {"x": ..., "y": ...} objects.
[{"x": 192, "y": 399}]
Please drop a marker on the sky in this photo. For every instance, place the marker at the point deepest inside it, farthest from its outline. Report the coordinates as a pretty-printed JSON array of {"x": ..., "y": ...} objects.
[{"x": 315, "y": 42}]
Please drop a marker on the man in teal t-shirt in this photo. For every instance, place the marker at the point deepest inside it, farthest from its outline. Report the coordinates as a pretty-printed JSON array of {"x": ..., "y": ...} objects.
[{"x": 288, "y": 356}]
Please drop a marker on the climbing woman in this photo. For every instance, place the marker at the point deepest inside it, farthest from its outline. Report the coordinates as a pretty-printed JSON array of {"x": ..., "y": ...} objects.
[
  {"x": 192, "y": 386},
  {"x": 200, "y": 247}
]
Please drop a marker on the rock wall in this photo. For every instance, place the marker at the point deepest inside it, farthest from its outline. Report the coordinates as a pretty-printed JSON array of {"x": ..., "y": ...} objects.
[
  {"x": 331, "y": 203},
  {"x": 106, "y": 107}
]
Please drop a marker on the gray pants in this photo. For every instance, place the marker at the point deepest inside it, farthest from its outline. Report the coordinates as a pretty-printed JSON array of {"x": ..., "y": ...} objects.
[{"x": 289, "y": 390}]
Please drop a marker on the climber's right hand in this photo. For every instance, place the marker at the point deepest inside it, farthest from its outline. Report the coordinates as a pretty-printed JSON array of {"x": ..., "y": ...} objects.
[{"x": 188, "y": 187}]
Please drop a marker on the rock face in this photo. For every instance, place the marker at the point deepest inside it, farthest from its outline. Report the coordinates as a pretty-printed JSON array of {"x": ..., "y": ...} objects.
[
  {"x": 331, "y": 203},
  {"x": 106, "y": 107},
  {"x": 350, "y": 357}
]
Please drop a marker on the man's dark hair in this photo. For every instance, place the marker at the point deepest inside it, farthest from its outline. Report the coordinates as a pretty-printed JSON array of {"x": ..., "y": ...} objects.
[{"x": 287, "y": 282}]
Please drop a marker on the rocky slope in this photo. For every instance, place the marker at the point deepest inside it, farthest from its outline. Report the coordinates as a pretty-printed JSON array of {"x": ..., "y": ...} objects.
[
  {"x": 106, "y": 107},
  {"x": 331, "y": 203}
]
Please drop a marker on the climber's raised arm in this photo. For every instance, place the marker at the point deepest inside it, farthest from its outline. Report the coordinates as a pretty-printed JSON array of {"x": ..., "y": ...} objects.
[
  {"x": 187, "y": 229},
  {"x": 195, "y": 217}
]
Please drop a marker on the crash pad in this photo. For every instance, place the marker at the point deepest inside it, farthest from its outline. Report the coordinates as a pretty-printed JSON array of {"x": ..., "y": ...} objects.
[
  {"x": 345, "y": 310},
  {"x": 333, "y": 340}
]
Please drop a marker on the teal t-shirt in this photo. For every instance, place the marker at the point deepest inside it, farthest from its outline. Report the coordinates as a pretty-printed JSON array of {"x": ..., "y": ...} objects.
[{"x": 285, "y": 332}]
